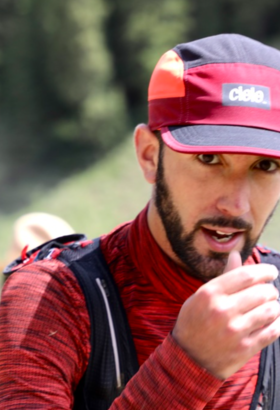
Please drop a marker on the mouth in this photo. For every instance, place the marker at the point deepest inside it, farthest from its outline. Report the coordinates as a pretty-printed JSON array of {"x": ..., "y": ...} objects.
[
  {"x": 220, "y": 236},
  {"x": 222, "y": 239}
]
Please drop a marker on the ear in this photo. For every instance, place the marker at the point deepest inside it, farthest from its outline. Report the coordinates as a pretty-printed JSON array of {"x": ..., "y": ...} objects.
[{"x": 147, "y": 149}]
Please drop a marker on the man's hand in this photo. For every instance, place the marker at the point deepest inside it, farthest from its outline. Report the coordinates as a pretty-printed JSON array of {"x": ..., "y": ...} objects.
[{"x": 230, "y": 318}]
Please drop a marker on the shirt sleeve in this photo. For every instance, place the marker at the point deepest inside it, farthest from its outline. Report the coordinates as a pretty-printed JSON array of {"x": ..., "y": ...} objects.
[
  {"x": 44, "y": 350},
  {"x": 169, "y": 379},
  {"x": 44, "y": 337}
]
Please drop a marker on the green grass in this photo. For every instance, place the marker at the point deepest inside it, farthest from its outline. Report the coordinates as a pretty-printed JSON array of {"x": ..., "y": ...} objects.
[
  {"x": 101, "y": 197},
  {"x": 93, "y": 201}
]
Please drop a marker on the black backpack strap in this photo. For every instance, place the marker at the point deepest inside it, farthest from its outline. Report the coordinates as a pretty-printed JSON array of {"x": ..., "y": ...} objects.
[
  {"x": 269, "y": 371},
  {"x": 113, "y": 359},
  {"x": 44, "y": 251}
]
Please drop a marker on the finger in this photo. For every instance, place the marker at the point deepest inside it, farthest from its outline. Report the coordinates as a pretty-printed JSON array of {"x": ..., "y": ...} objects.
[
  {"x": 264, "y": 314},
  {"x": 258, "y": 318},
  {"x": 243, "y": 277},
  {"x": 252, "y": 297},
  {"x": 268, "y": 333},
  {"x": 234, "y": 261}
]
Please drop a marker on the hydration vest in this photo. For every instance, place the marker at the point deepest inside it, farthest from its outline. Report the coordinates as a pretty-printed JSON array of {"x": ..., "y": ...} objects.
[{"x": 113, "y": 359}]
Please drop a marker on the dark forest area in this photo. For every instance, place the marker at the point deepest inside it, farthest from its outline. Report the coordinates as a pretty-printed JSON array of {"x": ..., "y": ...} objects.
[{"x": 74, "y": 75}]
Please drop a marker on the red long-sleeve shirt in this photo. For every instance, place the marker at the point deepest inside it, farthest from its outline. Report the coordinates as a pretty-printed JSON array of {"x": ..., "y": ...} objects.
[{"x": 44, "y": 333}]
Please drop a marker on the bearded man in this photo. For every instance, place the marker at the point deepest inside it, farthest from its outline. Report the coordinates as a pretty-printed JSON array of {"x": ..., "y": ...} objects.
[{"x": 200, "y": 303}]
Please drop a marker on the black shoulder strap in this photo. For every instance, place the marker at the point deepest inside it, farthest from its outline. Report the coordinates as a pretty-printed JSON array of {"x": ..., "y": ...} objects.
[
  {"x": 113, "y": 359},
  {"x": 269, "y": 371}
]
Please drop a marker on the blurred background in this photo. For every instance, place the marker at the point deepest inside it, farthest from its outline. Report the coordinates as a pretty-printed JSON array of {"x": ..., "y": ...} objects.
[{"x": 73, "y": 84}]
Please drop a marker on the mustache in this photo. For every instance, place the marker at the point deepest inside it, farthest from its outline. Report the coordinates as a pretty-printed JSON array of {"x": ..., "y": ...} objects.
[{"x": 222, "y": 222}]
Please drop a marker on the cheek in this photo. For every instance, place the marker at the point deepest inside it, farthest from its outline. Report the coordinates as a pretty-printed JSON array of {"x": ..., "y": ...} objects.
[
  {"x": 191, "y": 186},
  {"x": 263, "y": 204},
  {"x": 191, "y": 200}
]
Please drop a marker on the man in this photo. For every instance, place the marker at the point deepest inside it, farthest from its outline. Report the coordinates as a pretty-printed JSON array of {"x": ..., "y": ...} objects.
[{"x": 199, "y": 303}]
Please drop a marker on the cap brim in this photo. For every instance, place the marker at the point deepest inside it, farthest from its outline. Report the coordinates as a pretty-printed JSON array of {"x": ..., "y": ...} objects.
[{"x": 222, "y": 138}]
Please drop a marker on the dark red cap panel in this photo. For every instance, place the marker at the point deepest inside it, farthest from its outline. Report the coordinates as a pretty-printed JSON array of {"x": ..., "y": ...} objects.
[
  {"x": 218, "y": 94},
  {"x": 226, "y": 94}
]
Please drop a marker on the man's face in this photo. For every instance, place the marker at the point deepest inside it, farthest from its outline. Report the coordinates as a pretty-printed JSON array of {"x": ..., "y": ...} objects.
[{"x": 210, "y": 204}]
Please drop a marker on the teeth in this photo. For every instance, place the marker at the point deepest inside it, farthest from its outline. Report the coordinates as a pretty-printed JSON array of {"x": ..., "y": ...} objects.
[
  {"x": 223, "y": 233},
  {"x": 225, "y": 239},
  {"x": 222, "y": 236}
]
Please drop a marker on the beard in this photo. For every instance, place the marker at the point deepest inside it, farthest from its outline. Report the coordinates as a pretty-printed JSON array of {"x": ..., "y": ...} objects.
[{"x": 203, "y": 267}]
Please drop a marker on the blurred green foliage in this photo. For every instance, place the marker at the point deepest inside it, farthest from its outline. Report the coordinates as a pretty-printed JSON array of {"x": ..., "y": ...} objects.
[
  {"x": 138, "y": 33},
  {"x": 74, "y": 76},
  {"x": 73, "y": 82},
  {"x": 258, "y": 19}
]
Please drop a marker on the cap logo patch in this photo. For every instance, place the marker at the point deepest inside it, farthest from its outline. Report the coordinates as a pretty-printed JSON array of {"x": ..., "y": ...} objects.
[{"x": 246, "y": 95}]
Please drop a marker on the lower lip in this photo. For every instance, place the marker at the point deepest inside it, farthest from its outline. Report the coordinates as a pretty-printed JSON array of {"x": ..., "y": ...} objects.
[{"x": 223, "y": 247}]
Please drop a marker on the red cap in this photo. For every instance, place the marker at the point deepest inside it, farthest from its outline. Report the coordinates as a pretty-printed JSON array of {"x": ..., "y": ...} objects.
[{"x": 218, "y": 94}]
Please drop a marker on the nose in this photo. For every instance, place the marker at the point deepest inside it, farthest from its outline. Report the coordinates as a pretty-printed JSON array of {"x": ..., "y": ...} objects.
[{"x": 234, "y": 200}]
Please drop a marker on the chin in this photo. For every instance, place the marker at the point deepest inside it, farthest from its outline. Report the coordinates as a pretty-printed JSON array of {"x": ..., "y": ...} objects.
[{"x": 205, "y": 268}]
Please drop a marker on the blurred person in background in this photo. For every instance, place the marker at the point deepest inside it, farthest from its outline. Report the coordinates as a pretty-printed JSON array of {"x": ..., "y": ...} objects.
[
  {"x": 199, "y": 300},
  {"x": 31, "y": 230}
]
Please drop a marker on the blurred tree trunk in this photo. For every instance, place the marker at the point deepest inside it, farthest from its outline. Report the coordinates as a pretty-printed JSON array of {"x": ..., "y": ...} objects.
[
  {"x": 138, "y": 33},
  {"x": 258, "y": 19}
]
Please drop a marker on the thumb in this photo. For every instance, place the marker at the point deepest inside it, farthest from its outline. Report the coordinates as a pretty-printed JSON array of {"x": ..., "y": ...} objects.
[{"x": 234, "y": 261}]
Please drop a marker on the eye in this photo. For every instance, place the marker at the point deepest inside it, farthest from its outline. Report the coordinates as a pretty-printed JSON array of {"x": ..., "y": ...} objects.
[
  {"x": 209, "y": 159},
  {"x": 267, "y": 165}
]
